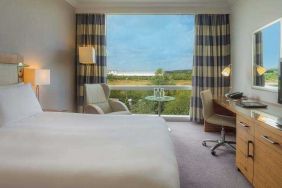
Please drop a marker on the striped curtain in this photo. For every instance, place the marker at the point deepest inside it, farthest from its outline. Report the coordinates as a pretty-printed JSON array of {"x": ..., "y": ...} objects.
[
  {"x": 90, "y": 31},
  {"x": 211, "y": 55},
  {"x": 258, "y": 57}
]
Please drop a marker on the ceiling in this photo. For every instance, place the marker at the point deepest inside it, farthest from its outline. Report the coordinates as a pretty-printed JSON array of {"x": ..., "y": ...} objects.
[
  {"x": 121, "y": 5},
  {"x": 150, "y": 1}
]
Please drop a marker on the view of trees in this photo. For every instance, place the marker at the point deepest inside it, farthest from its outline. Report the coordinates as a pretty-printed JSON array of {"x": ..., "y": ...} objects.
[
  {"x": 181, "y": 77},
  {"x": 271, "y": 77},
  {"x": 136, "y": 102}
]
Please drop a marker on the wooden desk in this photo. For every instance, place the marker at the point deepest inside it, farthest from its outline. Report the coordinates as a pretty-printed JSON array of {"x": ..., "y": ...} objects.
[
  {"x": 259, "y": 143},
  {"x": 272, "y": 111}
]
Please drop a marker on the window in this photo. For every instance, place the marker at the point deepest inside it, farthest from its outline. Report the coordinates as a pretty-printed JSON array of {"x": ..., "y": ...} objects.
[
  {"x": 271, "y": 52},
  {"x": 149, "y": 50}
]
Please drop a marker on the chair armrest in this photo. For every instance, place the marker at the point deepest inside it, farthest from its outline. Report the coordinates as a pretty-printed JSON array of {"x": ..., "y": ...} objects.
[
  {"x": 93, "y": 109},
  {"x": 117, "y": 105}
]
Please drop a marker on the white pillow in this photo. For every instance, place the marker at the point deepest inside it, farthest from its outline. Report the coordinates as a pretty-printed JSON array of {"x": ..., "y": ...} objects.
[{"x": 17, "y": 103}]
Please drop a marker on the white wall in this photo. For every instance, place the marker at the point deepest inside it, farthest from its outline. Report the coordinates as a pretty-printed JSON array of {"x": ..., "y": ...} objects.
[
  {"x": 246, "y": 17},
  {"x": 43, "y": 32}
]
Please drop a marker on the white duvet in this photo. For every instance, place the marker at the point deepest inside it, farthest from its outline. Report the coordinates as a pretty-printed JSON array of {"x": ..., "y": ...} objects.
[{"x": 66, "y": 150}]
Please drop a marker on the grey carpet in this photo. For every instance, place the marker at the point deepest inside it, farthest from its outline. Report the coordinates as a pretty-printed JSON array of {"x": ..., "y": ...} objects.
[{"x": 197, "y": 167}]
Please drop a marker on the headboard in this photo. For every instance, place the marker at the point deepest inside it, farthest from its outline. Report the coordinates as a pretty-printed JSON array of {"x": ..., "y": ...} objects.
[{"x": 9, "y": 69}]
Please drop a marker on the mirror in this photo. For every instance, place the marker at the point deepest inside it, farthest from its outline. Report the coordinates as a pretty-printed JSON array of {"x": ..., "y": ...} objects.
[{"x": 267, "y": 55}]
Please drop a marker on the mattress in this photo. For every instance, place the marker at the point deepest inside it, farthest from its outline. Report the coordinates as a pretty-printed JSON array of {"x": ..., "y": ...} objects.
[{"x": 68, "y": 150}]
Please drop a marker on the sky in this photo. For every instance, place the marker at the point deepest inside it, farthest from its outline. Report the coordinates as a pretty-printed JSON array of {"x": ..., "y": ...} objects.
[
  {"x": 271, "y": 46},
  {"x": 144, "y": 43}
]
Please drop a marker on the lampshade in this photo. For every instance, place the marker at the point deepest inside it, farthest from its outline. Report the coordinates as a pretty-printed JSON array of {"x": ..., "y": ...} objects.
[
  {"x": 37, "y": 76},
  {"x": 86, "y": 55},
  {"x": 260, "y": 70},
  {"x": 226, "y": 71}
]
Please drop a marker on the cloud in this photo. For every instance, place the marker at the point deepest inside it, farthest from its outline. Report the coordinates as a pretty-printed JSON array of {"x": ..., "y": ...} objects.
[{"x": 148, "y": 42}]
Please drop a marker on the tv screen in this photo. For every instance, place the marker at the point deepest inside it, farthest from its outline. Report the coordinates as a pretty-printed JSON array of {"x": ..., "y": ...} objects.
[{"x": 280, "y": 83}]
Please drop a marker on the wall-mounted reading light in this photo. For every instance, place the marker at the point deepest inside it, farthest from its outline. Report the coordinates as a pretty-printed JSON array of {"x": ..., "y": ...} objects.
[
  {"x": 260, "y": 70},
  {"x": 226, "y": 71}
]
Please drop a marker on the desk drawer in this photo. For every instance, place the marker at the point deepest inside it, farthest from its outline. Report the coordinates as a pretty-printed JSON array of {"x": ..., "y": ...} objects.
[
  {"x": 244, "y": 135},
  {"x": 245, "y": 164},
  {"x": 269, "y": 136},
  {"x": 244, "y": 127},
  {"x": 268, "y": 157},
  {"x": 245, "y": 146}
]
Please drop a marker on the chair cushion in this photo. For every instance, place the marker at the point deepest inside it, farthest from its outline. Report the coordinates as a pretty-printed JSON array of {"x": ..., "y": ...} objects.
[
  {"x": 104, "y": 106},
  {"x": 207, "y": 101},
  {"x": 226, "y": 121},
  {"x": 94, "y": 94}
]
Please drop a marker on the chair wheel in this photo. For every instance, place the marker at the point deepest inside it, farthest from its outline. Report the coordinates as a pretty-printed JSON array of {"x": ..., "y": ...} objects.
[
  {"x": 204, "y": 143},
  {"x": 213, "y": 153}
]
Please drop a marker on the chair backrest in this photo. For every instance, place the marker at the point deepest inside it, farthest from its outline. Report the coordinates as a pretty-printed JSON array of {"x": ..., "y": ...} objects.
[
  {"x": 98, "y": 94},
  {"x": 207, "y": 102}
]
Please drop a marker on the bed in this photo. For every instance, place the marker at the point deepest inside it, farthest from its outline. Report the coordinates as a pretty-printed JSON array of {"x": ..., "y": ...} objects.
[{"x": 70, "y": 150}]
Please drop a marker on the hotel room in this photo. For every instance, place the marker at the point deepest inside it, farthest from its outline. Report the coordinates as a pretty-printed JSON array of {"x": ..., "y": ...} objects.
[{"x": 140, "y": 94}]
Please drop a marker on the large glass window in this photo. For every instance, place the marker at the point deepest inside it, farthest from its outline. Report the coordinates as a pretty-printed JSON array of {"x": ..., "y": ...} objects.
[{"x": 149, "y": 50}]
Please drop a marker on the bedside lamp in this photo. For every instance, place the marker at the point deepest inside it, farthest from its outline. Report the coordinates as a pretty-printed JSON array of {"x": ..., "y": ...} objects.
[
  {"x": 87, "y": 55},
  {"x": 37, "y": 77}
]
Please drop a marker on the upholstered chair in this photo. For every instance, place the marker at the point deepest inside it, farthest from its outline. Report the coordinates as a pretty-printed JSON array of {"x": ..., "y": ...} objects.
[
  {"x": 215, "y": 119},
  {"x": 97, "y": 101}
]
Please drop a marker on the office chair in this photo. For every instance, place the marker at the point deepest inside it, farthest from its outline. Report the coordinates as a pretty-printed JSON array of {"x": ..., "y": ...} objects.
[{"x": 215, "y": 119}]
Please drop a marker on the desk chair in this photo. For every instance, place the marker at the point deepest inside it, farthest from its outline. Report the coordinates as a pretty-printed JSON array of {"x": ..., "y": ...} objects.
[
  {"x": 215, "y": 119},
  {"x": 97, "y": 101}
]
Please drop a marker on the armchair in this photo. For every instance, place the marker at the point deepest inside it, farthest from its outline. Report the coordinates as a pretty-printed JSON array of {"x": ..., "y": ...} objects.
[{"x": 97, "y": 101}]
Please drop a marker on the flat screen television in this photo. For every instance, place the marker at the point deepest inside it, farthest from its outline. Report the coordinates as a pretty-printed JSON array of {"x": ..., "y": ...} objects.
[{"x": 280, "y": 83}]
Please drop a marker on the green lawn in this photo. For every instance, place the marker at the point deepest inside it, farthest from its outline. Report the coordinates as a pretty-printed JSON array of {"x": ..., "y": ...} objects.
[
  {"x": 138, "y": 104},
  {"x": 135, "y": 100},
  {"x": 144, "y": 82}
]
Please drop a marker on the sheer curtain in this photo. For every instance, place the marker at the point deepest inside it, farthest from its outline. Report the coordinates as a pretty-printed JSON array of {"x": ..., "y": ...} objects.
[{"x": 211, "y": 55}]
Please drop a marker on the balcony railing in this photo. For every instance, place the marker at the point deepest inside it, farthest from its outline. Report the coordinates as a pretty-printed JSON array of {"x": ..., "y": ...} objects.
[
  {"x": 150, "y": 87},
  {"x": 134, "y": 97}
]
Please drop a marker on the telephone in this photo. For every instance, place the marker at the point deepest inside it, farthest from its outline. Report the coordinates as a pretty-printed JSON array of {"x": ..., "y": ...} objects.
[{"x": 235, "y": 95}]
